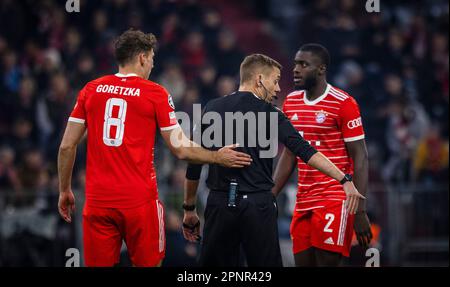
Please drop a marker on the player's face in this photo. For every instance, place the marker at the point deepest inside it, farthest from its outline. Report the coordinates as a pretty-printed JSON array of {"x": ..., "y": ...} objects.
[
  {"x": 271, "y": 84},
  {"x": 306, "y": 70}
]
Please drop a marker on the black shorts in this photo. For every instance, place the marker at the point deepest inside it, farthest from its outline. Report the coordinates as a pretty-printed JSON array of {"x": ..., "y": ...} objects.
[{"x": 251, "y": 225}]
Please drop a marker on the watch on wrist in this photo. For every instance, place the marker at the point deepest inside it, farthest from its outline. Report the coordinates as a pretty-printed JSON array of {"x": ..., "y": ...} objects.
[
  {"x": 188, "y": 207},
  {"x": 347, "y": 177}
]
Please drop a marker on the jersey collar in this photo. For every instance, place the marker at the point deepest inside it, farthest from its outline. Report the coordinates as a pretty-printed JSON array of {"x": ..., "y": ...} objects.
[
  {"x": 311, "y": 103},
  {"x": 127, "y": 75}
]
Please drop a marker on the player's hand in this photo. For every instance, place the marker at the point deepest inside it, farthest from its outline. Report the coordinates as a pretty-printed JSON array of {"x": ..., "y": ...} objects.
[
  {"x": 353, "y": 197},
  {"x": 66, "y": 205},
  {"x": 228, "y": 157},
  {"x": 362, "y": 229},
  {"x": 191, "y": 226}
]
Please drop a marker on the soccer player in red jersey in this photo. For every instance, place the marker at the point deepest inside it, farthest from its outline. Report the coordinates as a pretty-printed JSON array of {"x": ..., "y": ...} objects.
[
  {"x": 122, "y": 113},
  {"x": 329, "y": 118}
]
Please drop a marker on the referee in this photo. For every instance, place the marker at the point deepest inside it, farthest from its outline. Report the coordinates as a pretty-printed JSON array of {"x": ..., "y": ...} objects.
[{"x": 241, "y": 210}]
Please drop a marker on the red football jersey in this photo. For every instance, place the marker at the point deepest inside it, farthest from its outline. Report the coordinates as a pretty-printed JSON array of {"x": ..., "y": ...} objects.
[
  {"x": 327, "y": 123},
  {"x": 121, "y": 114}
]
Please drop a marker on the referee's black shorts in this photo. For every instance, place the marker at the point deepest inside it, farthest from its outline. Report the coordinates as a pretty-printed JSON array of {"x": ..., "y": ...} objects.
[{"x": 252, "y": 224}]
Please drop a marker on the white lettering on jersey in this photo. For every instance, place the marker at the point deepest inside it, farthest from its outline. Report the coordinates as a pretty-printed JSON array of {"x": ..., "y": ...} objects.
[{"x": 118, "y": 90}]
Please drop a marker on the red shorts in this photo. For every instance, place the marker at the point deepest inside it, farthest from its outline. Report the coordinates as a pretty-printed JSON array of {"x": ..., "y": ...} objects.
[
  {"x": 141, "y": 228},
  {"x": 329, "y": 228}
]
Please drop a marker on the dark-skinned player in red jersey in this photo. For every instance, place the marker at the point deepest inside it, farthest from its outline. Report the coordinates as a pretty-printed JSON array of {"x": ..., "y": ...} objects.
[{"x": 329, "y": 118}]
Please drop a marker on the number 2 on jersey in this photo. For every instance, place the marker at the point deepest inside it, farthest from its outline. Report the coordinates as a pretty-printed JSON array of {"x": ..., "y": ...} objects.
[{"x": 117, "y": 122}]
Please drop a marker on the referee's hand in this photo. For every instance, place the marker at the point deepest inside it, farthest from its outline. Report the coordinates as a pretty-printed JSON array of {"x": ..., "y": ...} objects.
[
  {"x": 228, "y": 157},
  {"x": 353, "y": 197},
  {"x": 191, "y": 226}
]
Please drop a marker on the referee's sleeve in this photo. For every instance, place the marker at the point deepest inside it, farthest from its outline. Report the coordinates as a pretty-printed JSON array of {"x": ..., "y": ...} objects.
[{"x": 292, "y": 139}]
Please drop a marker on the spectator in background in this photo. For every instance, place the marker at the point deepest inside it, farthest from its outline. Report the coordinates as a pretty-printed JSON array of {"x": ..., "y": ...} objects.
[
  {"x": 227, "y": 55},
  {"x": 20, "y": 138},
  {"x": 408, "y": 123},
  {"x": 226, "y": 85},
  {"x": 212, "y": 23},
  {"x": 193, "y": 54},
  {"x": 172, "y": 78},
  {"x": 11, "y": 71},
  {"x": 33, "y": 176},
  {"x": 431, "y": 157},
  {"x": 206, "y": 83},
  {"x": 52, "y": 112},
  {"x": 9, "y": 180}
]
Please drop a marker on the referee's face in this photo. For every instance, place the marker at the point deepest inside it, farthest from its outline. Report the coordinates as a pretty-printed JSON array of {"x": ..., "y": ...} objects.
[{"x": 270, "y": 84}]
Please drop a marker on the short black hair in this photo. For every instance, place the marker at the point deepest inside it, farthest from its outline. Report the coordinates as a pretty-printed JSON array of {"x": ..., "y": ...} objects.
[{"x": 319, "y": 51}]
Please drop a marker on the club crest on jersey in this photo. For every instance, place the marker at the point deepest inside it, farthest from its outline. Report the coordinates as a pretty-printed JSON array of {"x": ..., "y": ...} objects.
[{"x": 321, "y": 116}]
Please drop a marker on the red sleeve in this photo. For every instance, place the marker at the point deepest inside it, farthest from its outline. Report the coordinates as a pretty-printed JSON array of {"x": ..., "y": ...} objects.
[
  {"x": 165, "y": 112},
  {"x": 284, "y": 106},
  {"x": 350, "y": 121},
  {"x": 78, "y": 114}
]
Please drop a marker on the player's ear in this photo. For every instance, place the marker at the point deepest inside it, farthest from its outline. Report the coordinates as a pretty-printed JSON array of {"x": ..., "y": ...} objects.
[
  {"x": 141, "y": 59},
  {"x": 322, "y": 69}
]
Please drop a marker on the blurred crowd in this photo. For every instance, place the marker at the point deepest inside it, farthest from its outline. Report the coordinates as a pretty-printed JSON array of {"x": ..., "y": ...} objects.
[{"x": 395, "y": 63}]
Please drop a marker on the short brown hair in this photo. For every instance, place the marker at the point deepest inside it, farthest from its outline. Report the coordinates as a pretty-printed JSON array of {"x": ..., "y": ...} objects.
[
  {"x": 131, "y": 43},
  {"x": 253, "y": 63}
]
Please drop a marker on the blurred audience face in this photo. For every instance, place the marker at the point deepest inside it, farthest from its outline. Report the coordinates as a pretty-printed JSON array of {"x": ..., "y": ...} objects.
[
  {"x": 73, "y": 39},
  {"x": 212, "y": 19},
  {"x": 100, "y": 21},
  {"x": 192, "y": 95},
  {"x": 226, "y": 40},
  {"x": 85, "y": 64},
  {"x": 22, "y": 129},
  {"x": 208, "y": 74},
  {"x": 226, "y": 85},
  {"x": 26, "y": 89},
  {"x": 9, "y": 60},
  {"x": 194, "y": 41},
  {"x": 33, "y": 160},
  {"x": 59, "y": 86},
  {"x": 393, "y": 85},
  {"x": 7, "y": 156}
]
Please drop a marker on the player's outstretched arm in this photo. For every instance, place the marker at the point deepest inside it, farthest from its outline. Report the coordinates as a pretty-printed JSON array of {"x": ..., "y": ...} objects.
[
  {"x": 283, "y": 171},
  {"x": 66, "y": 158},
  {"x": 185, "y": 149},
  {"x": 323, "y": 164}
]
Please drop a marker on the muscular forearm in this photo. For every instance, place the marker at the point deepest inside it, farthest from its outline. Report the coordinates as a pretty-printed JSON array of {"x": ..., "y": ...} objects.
[
  {"x": 190, "y": 191},
  {"x": 198, "y": 155},
  {"x": 283, "y": 170},
  {"x": 66, "y": 159},
  {"x": 361, "y": 178},
  {"x": 323, "y": 164}
]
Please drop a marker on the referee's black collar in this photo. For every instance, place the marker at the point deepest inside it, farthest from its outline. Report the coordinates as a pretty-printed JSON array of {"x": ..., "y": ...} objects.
[{"x": 249, "y": 93}]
